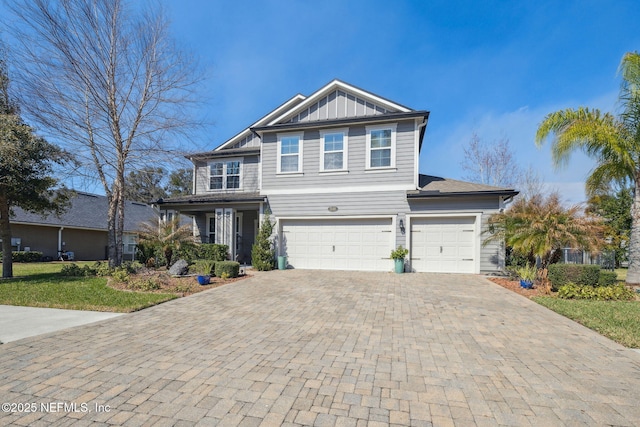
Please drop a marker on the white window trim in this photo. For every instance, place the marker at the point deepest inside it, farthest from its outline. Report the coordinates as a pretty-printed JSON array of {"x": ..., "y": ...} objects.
[
  {"x": 208, "y": 229},
  {"x": 345, "y": 149},
  {"x": 300, "y": 152},
  {"x": 224, "y": 188},
  {"x": 369, "y": 129}
]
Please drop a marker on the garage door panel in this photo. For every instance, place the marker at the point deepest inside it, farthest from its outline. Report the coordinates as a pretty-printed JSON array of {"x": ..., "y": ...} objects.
[
  {"x": 346, "y": 244},
  {"x": 466, "y": 252},
  {"x": 443, "y": 244}
]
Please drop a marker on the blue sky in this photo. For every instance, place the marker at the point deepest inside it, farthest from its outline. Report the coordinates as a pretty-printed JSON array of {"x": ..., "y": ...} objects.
[
  {"x": 495, "y": 68},
  {"x": 491, "y": 67}
]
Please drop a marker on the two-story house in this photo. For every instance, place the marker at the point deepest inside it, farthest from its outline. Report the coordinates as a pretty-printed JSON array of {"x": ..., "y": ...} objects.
[{"x": 338, "y": 172}]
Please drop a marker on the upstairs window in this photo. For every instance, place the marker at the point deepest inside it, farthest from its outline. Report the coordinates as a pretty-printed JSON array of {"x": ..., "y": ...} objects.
[
  {"x": 224, "y": 175},
  {"x": 381, "y": 143},
  {"x": 334, "y": 150},
  {"x": 289, "y": 153},
  {"x": 233, "y": 174}
]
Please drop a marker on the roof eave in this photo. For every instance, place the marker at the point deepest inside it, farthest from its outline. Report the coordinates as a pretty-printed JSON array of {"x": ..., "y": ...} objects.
[
  {"x": 164, "y": 203},
  {"x": 223, "y": 154},
  {"x": 438, "y": 194},
  {"x": 350, "y": 120}
]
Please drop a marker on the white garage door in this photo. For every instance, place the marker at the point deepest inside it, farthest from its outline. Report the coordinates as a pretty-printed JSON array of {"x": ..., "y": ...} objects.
[
  {"x": 338, "y": 244},
  {"x": 443, "y": 245}
]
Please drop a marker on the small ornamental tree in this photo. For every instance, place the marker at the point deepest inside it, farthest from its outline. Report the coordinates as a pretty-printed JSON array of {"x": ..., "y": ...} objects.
[
  {"x": 263, "y": 252},
  {"x": 540, "y": 226},
  {"x": 168, "y": 237}
]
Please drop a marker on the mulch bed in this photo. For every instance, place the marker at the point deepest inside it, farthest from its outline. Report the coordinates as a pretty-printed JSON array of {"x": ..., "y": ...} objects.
[
  {"x": 514, "y": 286},
  {"x": 163, "y": 282}
]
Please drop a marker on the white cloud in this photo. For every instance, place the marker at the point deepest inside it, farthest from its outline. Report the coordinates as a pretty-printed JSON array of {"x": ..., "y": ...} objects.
[{"x": 443, "y": 148}]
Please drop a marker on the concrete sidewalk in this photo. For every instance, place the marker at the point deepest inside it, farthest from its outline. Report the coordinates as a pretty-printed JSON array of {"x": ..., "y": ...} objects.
[
  {"x": 326, "y": 348},
  {"x": 21, "y": 322}
]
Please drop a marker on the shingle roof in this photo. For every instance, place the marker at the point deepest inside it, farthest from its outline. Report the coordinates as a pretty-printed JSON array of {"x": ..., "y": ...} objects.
[
  {"x": 434, "y": 186},
  {"x": 88, "y": 211}
]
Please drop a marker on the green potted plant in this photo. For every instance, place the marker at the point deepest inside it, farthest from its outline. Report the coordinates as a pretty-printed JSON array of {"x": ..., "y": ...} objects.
[
  {"x": 398, "y": 255},
  {"x": 204, "y": 267},
  {"x": 527, "y": 275}
]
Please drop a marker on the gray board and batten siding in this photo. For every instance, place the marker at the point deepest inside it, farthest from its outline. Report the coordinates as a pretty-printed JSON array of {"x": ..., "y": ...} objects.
[{"x": 336, "y": 105}]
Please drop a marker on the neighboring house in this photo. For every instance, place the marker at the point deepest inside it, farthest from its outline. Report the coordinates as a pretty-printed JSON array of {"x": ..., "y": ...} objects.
[
  {"x": 81, "y": 230},
  {"x": 338, "y": 172}
]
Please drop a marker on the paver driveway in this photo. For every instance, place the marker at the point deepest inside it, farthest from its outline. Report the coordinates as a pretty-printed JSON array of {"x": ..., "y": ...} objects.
[{"x": 327, "y": 348}]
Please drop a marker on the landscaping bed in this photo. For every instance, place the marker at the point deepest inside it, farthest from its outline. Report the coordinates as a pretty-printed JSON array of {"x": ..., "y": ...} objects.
[
  {"x": 44, "y": 285},
  {"x": 158, "y": 281},
  {"x": 514, "y": 285}
]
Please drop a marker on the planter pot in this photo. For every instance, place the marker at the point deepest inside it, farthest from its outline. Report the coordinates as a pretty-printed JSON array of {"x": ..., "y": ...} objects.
[
  {"x": 204, "y": 280},
  {"x": 282, "y": 263},
  {"x": 399, "y": 265},
  {"x": 527, "y": 284}
]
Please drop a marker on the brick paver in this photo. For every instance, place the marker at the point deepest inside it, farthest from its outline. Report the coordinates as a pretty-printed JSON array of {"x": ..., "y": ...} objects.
[{"x": 327, "y": 348}]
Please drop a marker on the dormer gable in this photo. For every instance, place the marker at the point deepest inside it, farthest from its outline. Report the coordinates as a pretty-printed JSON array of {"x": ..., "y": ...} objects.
[{"x": 338, "y": 100}]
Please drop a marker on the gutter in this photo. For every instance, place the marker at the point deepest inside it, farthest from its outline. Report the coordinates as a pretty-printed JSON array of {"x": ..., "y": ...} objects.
[
  {"x": 437, "y": 194},
  {"x": 350, "y": 120}
]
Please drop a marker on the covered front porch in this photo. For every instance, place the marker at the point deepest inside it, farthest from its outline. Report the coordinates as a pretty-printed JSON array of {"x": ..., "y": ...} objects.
[{"x": 226, "y": 219}]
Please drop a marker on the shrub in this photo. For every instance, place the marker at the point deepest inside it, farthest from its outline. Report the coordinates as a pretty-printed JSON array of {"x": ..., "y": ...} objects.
[
  {"x": 204, "y": 267},
  {"x": 262, "y": 252},
  {"x": 102, "y": 269},
  {"x": 145, "y": 284},
  {"x": 132, "y": 267},
  {"x": 120, "y": 275},
  {"x": 580, "y": 274},
  {"x": 607, "y": 278},
  {"x": 145, "y": 252},
  {"x": 227, "y": 268},
  {"x": 74, "y": 270},
  {"x": 22, "y": 256},
  {"x": 213, "y": 251},
  {"x": 602, "y": 293}
]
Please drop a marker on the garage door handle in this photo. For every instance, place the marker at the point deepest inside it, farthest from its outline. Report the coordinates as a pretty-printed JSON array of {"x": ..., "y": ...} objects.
[
  {"x": 440, "y": 249},
  {"x": 334, "y": 248}
]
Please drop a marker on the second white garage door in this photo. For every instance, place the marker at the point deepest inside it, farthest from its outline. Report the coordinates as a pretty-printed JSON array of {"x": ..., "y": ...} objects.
[
  {"x": 443, "y": 244},
  {"x": 338, "y": 244}
]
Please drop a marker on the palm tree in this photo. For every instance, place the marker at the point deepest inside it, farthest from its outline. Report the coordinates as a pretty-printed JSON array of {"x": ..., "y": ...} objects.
[
  {"x": 614, "y": 142},
  {"x": 168, "y": 236},
  {"x": 539, "y": 226}
]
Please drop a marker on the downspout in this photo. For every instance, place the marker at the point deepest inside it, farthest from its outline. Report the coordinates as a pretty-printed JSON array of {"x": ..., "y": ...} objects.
[
  {"x": 193, "y": 177},
  {"x": 60, "y": 241},
  {"x": 507, "y": 201},
  {"x": 417, "y": 154}
]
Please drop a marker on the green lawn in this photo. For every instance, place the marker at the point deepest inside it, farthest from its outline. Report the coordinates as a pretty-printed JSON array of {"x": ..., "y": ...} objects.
[
  {"x": 41, "y": 285},
  {"x": 617, "y": 320}
]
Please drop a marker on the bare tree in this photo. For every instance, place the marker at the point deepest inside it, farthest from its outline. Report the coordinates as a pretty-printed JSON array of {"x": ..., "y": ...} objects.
[
  {"x": 490, "y": 164},
  {"x": 529, "y": 184},
  {"x": 108, "y": 81}
]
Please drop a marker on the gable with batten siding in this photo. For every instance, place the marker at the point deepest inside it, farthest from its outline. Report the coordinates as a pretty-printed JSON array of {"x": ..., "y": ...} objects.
[
  {"x": 339, "y": 100},
  {"x": 339, "y": 105},
  {"x": 249, "y": 141}
]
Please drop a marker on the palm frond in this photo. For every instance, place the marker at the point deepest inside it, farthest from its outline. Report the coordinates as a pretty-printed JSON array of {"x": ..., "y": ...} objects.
[{"x": 630, "y": 93}]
